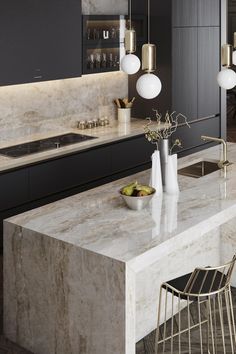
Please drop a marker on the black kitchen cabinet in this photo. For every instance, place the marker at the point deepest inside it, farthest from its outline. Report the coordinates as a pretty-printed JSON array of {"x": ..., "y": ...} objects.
[
  {"x": 131, "y": 153},
  {"x": 208, "y": 68},
  {"x": 40, "y": 40},
  {"x": 209, "y": 12},
  {"x": 185, "y": 13},
  {"x": 192, "y": 13},
  {"x": 68, "y": 172},
  {"x": 191, "y": 137},
  {"x": 185, "y": 71},
  {"x": 14, "y": 188}
]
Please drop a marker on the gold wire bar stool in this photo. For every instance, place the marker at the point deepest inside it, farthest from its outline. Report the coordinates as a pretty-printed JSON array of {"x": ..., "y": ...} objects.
[{"x": 209, "y": 286}]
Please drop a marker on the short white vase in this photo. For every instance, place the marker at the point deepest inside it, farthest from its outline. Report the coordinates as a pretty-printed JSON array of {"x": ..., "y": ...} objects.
[{"x": 171, "y": 185}]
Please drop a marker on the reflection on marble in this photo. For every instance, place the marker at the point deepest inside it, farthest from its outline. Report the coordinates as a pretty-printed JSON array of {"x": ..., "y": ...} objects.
[
  {"x": 167, "y": 239},
  {"x": 61, "y": 103},
  {"x": 104, "y": 7}
]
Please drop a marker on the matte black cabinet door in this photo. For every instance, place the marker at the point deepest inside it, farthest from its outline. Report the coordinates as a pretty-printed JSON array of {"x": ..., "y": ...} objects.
[
  {"x": 208, "y": 68},
  {"x": 191, "y": 137},
  {"x": 185, "y": 72},
  {"x": 208, "y": 12},
  {"x": 184, "y": 13},
  {"x": 68, "y": 172},
  {"x": 131, "y": 153},
  {"x": 14, "y": 189},
  {"x": 39, "y": 40}
]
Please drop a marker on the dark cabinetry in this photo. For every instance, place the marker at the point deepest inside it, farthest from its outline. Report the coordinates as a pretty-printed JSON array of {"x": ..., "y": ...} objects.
[
  {"x": 192, "y": 13},
  {"x": 39, "y": 40}
]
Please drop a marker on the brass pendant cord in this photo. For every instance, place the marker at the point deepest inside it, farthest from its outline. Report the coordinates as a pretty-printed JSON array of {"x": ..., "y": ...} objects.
[
  {"x": 149, "y": 14},
  {"x": 130, "y": 12}
]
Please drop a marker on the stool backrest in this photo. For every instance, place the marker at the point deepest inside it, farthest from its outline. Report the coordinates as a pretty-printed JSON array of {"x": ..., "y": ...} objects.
[{"x": 206, "y": 281}]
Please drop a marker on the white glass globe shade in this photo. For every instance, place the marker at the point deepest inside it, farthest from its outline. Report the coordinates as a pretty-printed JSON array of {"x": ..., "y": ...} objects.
[
  {"x": 234, "y": 57},
  {"x": 130, "y": 64},
  {"x": 148, "y": 86},
  {"x": 226, "y": 79}
]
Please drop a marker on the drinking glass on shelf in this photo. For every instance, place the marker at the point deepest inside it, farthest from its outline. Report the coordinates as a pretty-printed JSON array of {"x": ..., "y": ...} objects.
[
  {"x": 96, "y": 33},
  {"x": 113, "y": 33},
  {"x": 98, "y": 61},
  {"x": 115, "y": 62},
  {"x": 91, "y": 62},
  {"x": 89, "y": 34},
  {"x": 110, "y": 62},
  {"x": 104, "y": 60}
]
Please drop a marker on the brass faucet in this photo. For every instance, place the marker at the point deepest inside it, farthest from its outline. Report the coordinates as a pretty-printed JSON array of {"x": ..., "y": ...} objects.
[{"x": 222, "y": 163}]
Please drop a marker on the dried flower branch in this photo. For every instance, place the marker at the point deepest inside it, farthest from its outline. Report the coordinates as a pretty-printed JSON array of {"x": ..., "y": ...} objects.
[{"x": 164, "y": 129}]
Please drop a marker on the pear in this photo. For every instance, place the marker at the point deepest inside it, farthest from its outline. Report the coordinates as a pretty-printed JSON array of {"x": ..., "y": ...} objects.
[
  {"x": 147, "y": 189},
  {"x": 129, "y": 189}
]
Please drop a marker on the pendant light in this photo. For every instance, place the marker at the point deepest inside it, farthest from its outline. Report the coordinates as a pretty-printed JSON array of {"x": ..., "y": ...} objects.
[
  {"x": 149, "y": 85},
  {"x": 130, "y": 63},
  {"x": 226, "y": 77}
]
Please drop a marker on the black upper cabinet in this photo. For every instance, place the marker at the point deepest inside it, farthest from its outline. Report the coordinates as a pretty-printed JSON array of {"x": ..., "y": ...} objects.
[{"x": 39, "y": 40}]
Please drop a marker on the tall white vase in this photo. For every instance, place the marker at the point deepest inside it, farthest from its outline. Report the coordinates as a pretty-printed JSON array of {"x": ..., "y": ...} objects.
[
  {"x": 171, "y": 186},
  {"x": 156, "y": 180}
]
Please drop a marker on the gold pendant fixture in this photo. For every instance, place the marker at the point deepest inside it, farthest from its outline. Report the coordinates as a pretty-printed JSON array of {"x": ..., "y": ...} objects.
[
  {"x": 227, "y": 55},
  {"x": 130, "y": 41}
]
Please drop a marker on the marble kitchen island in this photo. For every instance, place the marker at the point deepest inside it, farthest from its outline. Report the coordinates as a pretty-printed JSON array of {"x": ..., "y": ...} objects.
[{"x": 82, "y": 275}]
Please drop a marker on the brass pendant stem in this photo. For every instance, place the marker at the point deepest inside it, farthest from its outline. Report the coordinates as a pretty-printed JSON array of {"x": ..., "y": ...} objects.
[
  {"x": 149, "y": 57},
  {"x": 226, "y": 55},
  {"x": 130, "y": 41}
]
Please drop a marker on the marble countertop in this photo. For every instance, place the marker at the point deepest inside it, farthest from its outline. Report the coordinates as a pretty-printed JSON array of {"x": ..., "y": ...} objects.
[
  {"x": 104, "y": 135},
  {"x": 99, "y": 221}
]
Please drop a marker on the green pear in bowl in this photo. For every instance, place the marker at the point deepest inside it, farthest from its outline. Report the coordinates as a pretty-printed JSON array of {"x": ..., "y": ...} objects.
[{"x": 137, "y": 196}]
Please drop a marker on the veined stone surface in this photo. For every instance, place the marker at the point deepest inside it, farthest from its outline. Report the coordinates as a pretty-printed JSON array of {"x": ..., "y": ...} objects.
[
  {"x": 105, "y": 7},
  {"x": 89, "y": 251}
]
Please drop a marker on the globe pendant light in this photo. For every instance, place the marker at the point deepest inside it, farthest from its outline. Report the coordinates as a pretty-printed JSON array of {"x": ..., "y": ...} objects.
[
  {"x": 149, "y": 85},
  {"x": 226, "y": 77},
  {"x": 130, "y": 63}
]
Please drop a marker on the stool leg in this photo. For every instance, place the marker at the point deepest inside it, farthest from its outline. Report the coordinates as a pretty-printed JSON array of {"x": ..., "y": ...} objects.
[
  {"x": 158, "y": 322},
  {"x": 164, "y": 333},
  {"x": 232, "y": 314},
  {"x": 179, "y": 325},
  {"x": 172, "y": 322},
  {"x": 229, "y": 319},
  {"x": 211, "y": 326},
  {"x": 189, "y": 328},
  {"x": 215, "y": 328},
  {"x": 200, "y": 323},
  {"x": 221, "y": 320}
]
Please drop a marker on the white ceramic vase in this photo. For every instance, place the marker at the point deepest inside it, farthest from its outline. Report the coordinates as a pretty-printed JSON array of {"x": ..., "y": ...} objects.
[
  {"x": 171, "y": 185},
  {"x": 156, "y": 179}
]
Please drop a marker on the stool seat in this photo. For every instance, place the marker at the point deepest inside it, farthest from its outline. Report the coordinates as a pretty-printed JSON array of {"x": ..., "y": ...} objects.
[{"x": 213, "y": 280}]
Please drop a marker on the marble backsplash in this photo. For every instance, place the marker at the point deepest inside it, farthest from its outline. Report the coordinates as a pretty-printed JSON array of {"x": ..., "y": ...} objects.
[{"x": 60, "y": 104}]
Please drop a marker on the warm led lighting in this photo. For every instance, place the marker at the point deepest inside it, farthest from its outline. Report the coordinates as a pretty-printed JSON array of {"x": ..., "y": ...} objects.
[
  {"x": 226, "y": 79},
  {"x": 148, "y": 86}
]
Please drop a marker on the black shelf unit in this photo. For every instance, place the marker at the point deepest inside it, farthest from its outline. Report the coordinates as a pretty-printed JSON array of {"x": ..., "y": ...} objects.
[{"x": 104, "y": 54}]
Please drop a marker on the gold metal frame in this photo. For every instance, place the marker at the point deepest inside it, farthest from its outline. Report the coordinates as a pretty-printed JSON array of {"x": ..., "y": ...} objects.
[{"x": 205, "y": 294}]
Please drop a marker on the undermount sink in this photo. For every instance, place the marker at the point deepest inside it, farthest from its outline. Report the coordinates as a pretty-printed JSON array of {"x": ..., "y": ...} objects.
[{"x": 199, "y": 169}]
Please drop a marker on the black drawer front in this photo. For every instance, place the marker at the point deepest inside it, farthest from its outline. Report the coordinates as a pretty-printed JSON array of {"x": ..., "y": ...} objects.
[
  {"x": 131, "y": 153},
  {"x": 14, "y": 189},
  {"x": 192, "y": 137},
  {"x": 68, "y": 172}
]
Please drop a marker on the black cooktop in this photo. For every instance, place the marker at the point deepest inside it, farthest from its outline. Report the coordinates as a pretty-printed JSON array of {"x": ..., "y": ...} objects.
[{"x": 54, "y": 142}]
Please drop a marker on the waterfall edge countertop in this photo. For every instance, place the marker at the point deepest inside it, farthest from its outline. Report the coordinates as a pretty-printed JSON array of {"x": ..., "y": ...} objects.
[
  {"x": 89, "y": 257},
  {"x": 104, "y": 135}
]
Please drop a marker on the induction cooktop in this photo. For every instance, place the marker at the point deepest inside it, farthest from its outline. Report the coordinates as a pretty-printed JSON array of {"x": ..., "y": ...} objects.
[{"x": 37, "y": 146}]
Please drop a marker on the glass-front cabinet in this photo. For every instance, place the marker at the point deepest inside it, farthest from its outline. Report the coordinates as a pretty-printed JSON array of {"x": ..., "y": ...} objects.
[{"x": 103, "y": 41}]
